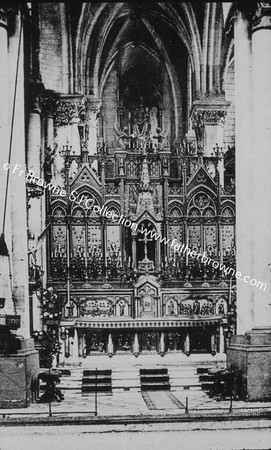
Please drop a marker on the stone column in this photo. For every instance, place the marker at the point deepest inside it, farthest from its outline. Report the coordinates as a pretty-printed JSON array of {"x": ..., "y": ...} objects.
[
  {"x": 75, "y": 352},
  {"x": 213, "y": 346},
  {"x": 133, "y": 251},
  {"x": 34, "y": 165},
  {"x": 136, "y": 345},
  {"x": 251, "y": 353},
  {"x": 261, "y": 180},
  {"x": 187, "y": 344},
  {"x": 34, "y": 137},
  {"x": 4, "y": 139},
  {"x": 110, "y": 345},
  {"x": 221, "y": 339},
  {"x": 244, "y": 170},
  {"x": 162, "y": 343},
  {"x": 17, "y": 189},
  {"x": 62, "y": 352},
  {"x": 74, "y": 136},
  {"x": 84, "y": 343},
  {"x": 93, "y": 105}
]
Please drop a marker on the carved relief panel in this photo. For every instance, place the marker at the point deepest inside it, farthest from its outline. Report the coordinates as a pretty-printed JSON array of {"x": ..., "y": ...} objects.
[{"x": 98, "y": 307}]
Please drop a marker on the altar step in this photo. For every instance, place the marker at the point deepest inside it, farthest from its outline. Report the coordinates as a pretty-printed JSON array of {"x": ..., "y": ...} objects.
[
  {"x": 182, "y": 375},
  {"x": 154, "y": 380},
  {"x": 206, "y": 379},
  {"x": 97, "y": 381}
]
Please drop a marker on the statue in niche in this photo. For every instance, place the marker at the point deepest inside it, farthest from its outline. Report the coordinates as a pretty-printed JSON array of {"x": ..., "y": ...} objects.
[
  {"x": 161, "y": 138},
  {"x": 83, "y": 128},
  {"x": 171, "y": 308},
  {"x": 199, "y": 128},
  {"x": 221, "y": 309},
  {"x": 153, "y": 121},
  {"x": 196, "y": 307},
  {"x": 133, "y": 196},
  {"x": 48, "y": 162},
  {"x": 122, "y": 136},
  {"x": 142, "y": 136},
  {"x": 122, "y": 309}
]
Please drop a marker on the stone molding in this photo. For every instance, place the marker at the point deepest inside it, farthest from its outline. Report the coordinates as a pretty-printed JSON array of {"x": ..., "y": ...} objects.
[{"x": 138, "y": 323}]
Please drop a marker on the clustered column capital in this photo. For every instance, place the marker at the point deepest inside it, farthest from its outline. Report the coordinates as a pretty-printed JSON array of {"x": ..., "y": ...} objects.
[
  {"x": 5, "y": 13},
  {"x": 262, "y": 17},
  {"x": 48, "y": 101},
  {"x": 258, "y": 14}
]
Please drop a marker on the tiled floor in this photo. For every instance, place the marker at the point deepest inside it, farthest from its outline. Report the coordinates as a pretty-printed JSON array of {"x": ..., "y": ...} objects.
[{"x": 131, "y": 402}]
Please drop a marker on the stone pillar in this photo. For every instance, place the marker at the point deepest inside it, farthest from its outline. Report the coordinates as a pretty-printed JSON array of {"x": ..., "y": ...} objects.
[
  {"x": 5, "y": 291},
  {"x": 34, "y": 138},
  {"x": 84, "y": 344},
  {"x": 75, "y": 352},
  {"x": 80, "y": 344},
  {"x": 136, "y": 345},
  {"x": 162, "y": 343},
  {"x": 34, "y": 164},
  {"x": 62, "y": 352},
  {"x": 110, "y": 345},
  {"x": 74, "y": 136},
  {"x": 213, "y": 345},
  {"x": 261, "y": 180},
  {"x": 244, "y": 171},
  {"x": 221, "y": 340},
  {"x": 93, "y": 105},
  {"x": 250, "y": 353},
  {"x": 133, "y": 251},
  {"x": 17, "y": 187},
  {"x": 187, "y": 344}
]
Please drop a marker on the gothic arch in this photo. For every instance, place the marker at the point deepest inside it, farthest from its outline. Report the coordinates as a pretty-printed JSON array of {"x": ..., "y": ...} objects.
[
  {"x": 175, "y": 205},
  {"x": 113, "y": 205},
  {"x": 58, "y": 210}
]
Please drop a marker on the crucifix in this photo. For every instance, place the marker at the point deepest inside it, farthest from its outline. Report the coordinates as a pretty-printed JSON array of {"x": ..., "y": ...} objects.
[{"x": 145, "y": 240}]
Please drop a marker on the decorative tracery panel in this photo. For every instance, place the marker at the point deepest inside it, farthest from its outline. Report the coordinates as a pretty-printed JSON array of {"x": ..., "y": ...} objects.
[
  {"x": 228, "y": 240},
  {"x": 78, "y": 240},
  {"x": 94, "y": 239},
  {"x": 113, "y": 237},
  {"x": 194, "y": 238},
  {"x": 201, "y": 205},
  {"x": 59, "y": 241},
  {"x": 175, "y": 232},
  {"x": 210, "y": 240}
]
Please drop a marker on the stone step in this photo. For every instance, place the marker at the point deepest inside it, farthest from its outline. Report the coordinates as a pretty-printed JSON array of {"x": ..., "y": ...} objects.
[
  {"x": 155, "y": 387},
  {"x": 99, "y": 388},
  {"x": 98, "y": 380},
  {"x": 97, "y": 372},
  {"x": 154, "y": 371}
]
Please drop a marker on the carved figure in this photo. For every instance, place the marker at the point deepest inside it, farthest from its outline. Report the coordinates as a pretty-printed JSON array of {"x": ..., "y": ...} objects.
[
  {"x": 122, "y": 136},
  {"x": 48, "y": 162},
  {"x": 161, "y": 138}
]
